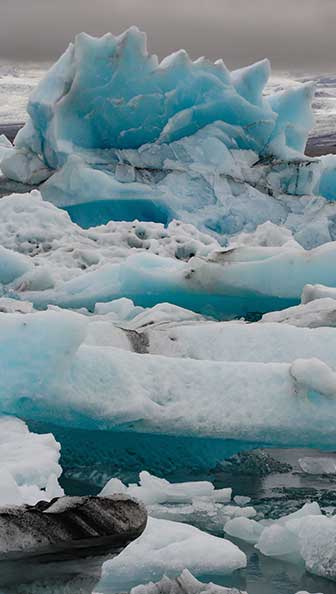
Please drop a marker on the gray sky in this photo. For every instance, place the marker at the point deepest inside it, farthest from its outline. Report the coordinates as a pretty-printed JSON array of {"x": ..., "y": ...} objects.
[{"x": 294, "y": 34}]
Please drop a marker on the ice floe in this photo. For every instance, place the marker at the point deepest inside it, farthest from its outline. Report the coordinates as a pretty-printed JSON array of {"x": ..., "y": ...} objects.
[
  {"x": 167, "y": 548},
  {"x": 29, "y": 464},
  {"x": 303, "y": 536}
]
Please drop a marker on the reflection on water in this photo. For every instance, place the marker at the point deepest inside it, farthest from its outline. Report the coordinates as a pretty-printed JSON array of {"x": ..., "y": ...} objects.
[
  {"x": 81, "y": 576},
  {"x": 264, "y": 575},
  {"x": 53, "y": 575},
  {"x": 275, "y": 494}
]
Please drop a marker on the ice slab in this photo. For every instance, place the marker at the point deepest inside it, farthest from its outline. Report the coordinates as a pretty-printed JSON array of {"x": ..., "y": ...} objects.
[
  {"x": 317, "y": 466},
  {"x": 196, "y": 503},
  {"x": 261, "y": 402},
  {"x": 305, "y": 536},
  {"x": 313, "y": 314},
  {"x": 167, "y": 548},
  {"x": 318, "y": 291}
]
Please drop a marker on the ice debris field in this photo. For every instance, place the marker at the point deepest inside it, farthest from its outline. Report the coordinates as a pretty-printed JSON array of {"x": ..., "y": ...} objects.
[{"x": 168, "y": 294}]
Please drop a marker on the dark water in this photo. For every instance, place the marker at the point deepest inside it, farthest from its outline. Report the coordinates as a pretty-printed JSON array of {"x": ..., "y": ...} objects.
[
  {"x": 81, "y": 576},
  {"x": 274, "y": 495},
  {"x": 267, "y": 576}
]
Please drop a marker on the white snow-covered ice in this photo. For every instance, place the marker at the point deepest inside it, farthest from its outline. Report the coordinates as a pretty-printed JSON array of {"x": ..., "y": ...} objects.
[
  {"x": 305, "y": 536},
  {"x": 29, "y": 464},
  {"x": 166, "y": 548}
]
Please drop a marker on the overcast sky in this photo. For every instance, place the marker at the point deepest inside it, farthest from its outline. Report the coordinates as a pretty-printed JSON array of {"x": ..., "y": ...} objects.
[{"x": 294, "y": 34}]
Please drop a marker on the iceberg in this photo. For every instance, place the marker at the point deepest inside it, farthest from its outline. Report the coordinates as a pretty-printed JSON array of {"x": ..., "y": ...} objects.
[
  {"x": 317, "y": 466},
  {"x": 197, "y": 503},
  {"x": 78, "y": 104},
  {"x": 155, "y": 490},
  {"x": 167, "y": 548},
  {"x": 230, "y": 403},
  {"x": 176, "y": 139},
  {"x": 175, "y": 208},
  {"x": 305, "y": 536}
]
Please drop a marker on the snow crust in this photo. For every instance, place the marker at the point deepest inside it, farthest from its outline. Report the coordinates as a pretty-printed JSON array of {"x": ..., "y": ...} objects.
[{"x": 52, "y": 260}]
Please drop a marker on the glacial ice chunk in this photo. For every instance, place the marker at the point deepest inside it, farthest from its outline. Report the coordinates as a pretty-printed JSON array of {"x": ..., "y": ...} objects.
[
  {"x": 167, "y": 548},
  {"x": 31, "y": 458},
  {"x": 313, "y": 314},
  {"x": 185, "y": 582},
  {"x": 176, "y": 97},
  {"x": 315, "y": 374},
  {"x": 244, "y": 528},
  {"x": 25, "y": 167},
  {"x": 318, "y": 291},
  {"x": 29, "y": 464},
  {"x": 139, "y": 138},
  {"x": 317, "y": 466},
  {"x": 92, "y": 389},
  {"x": 152, "y": 489},
  {"x": 10, "y": 494},
  {"x": 305, "y": 536},
  {"x": 197, "y": 503}
]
